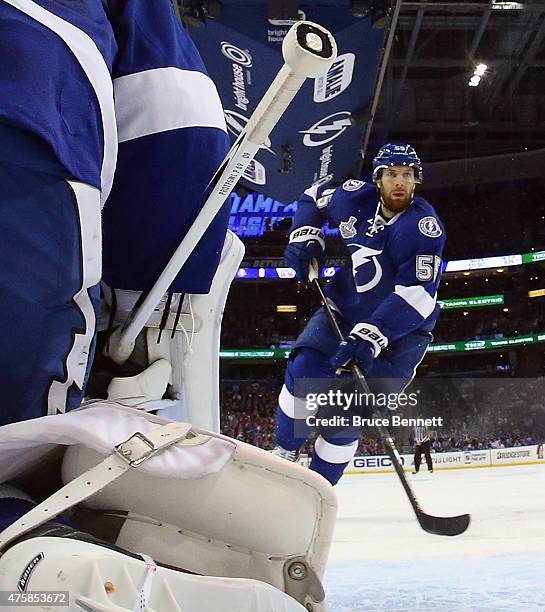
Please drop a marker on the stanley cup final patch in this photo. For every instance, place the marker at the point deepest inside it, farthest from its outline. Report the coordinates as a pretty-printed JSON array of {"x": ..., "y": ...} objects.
[
  {"x": 430, "y": 227},
  {"x": 347, "y": 228}
]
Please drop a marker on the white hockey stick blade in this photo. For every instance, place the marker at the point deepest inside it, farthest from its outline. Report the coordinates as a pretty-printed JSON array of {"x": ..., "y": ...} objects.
[{"x": 308, "y": 51}]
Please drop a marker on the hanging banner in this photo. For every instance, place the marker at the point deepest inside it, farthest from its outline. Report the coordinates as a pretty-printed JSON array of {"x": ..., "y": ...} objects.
[{"x": 319, "y": 136}]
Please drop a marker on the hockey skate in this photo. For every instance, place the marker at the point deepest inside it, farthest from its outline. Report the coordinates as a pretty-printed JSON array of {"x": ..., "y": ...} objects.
[{"x": 284, "y": 453}]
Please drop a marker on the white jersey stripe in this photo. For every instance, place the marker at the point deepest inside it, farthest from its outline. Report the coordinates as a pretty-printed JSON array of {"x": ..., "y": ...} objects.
[
  {"x": 286, "y": 401},
  {"x": 88, "y": 207},
  {"x": 96, "y": 70},
  {"x": 417, "y": 297},
  {"x": 165, "y": 99}
]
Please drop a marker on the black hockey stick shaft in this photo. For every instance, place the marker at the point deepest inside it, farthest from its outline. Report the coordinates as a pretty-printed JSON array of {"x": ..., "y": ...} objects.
[{"x": 449, "y": 526}]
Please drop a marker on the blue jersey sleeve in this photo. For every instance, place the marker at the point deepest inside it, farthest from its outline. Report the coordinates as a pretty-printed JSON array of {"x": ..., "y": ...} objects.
[
  {"x": 418, "y": 254},
  {"x": 311, "y": 214},
  {"x": 172, "y": 139}
]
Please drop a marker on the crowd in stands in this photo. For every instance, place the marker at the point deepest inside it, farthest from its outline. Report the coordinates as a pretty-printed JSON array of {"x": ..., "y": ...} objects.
[
  {"x": 491, "y": 219},
  {"x": 247, "y": 413},
  {"x": 490, "y": 408},
  {"x": 527, "y": 317},
  {"x": 469, "y": 442},
  {"x": 477, "y": 415},
  {"x": 251, "y": 318}
]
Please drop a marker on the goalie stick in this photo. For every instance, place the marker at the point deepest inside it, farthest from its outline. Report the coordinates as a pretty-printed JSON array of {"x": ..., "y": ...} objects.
[
  {"x": 308, "y": 50},
  {"x": 438, "y": 525}
]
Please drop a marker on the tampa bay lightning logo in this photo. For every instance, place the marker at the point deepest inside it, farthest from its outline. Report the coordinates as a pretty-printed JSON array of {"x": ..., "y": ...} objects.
[
  {"x": 430, "y": 227},
  {"x": 366, "y": 268},
  {"x": 352, "y": 185}
]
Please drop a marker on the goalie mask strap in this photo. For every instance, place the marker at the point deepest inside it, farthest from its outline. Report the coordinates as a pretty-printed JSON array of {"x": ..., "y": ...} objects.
[{"x": 129, "y": 454}]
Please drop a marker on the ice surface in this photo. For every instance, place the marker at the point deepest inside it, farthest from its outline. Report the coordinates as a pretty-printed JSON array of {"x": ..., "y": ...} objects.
[{"x": 382, "y": 560}]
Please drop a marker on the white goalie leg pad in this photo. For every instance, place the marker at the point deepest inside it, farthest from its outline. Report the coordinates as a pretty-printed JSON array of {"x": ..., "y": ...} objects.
[
  {"x": 259, "y": 517},
  {"x": 100, "y": 579}
]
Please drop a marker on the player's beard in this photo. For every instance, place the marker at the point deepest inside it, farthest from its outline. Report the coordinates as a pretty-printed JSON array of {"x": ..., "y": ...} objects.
[{"x": 397, "y": 204}]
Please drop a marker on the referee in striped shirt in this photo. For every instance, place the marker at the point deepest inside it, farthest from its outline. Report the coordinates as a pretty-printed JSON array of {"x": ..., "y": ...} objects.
[{"x": 422, "y": 444}]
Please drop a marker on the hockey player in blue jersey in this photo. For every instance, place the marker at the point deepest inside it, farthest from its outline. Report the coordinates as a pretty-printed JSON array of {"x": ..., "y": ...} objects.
[
  {"x": 102, "y": 102},
  {"x": 385, "y": 298}
]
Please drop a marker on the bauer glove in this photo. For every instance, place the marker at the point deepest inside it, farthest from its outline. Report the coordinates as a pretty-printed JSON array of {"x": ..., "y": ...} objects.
[
  {"x": 362, "y": 345},
  {"x": 306, "y": 243}
]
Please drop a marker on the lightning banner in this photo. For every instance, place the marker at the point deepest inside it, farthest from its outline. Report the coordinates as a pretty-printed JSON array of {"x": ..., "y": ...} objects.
[{"x": 319, "y": 137}]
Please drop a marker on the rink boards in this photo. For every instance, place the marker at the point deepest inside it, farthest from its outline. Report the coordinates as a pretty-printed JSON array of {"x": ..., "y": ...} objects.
[{"x": 501, "y": 457}]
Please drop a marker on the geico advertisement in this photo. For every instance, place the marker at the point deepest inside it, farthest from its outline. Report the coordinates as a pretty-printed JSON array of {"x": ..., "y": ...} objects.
[
  {"x": 384, "y": 463},
  {"x": 374, "y": 463}
]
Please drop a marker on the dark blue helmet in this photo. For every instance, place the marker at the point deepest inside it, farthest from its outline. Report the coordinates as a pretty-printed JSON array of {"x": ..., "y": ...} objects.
[{"x": 397, "y": 155}]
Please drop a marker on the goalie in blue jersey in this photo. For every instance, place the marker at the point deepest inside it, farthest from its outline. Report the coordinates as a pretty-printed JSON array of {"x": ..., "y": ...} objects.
[
  {"x": 102, "y": 103},
  {"x": 384, "y": 299}
]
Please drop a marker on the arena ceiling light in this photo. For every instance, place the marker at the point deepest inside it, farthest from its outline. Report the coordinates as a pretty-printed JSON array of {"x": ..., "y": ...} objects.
[
  {"x": 286, "y": 308},
  {"x": 499, "y": 5},
  {"x": 478, "y": 73}
]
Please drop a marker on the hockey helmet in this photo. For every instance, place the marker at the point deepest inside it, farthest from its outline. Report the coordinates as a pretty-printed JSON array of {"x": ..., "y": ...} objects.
[{"x": 397, "y": 155}]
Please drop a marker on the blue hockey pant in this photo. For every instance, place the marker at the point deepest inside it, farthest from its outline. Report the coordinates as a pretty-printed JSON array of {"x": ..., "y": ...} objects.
[
  {"x": 309, "y": 372},
  {"x": 51, "y": 265}
]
